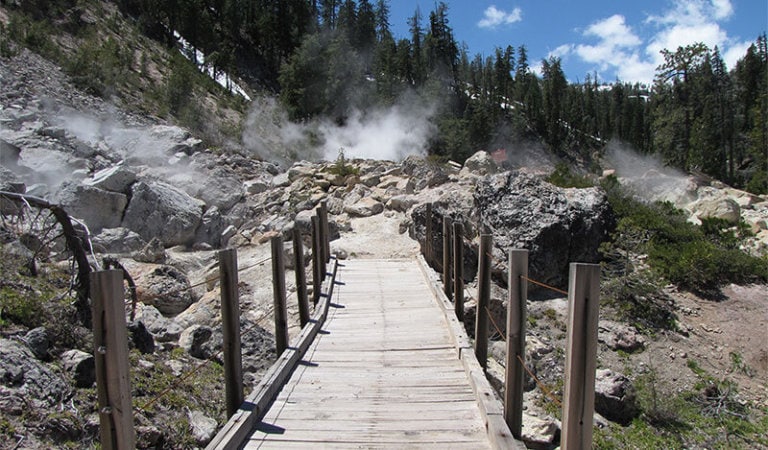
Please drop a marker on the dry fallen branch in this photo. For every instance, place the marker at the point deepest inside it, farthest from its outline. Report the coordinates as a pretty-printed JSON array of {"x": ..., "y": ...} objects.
[{"x": 74, "y": 244}]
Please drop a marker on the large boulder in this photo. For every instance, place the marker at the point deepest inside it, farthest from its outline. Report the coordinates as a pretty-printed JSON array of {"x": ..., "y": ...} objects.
[
  {"x": 424, "y": 173},
  {"x": 203, "y": 428},
  {"x": 200, "y": 341},
  {"x": 479, "y": 164},
  {"x": 217, "y": 187},
  {"x": 539, "y": 433},
  {"x": 715, "y": 204},
  {"x": 365, "y": 207},
  {"x": 558, "y": 226},
  {"x": 117, "y": 240},
  {"x": 9, "y": 154},
  {"x": 211, "y": 228},
  {"x": 158, "y": 210},
  {"x": 162, "y": 328},
  {"x": 116, "y": 179},
  {"x": 96, "y": 207},
  {"x": 257, "y": 346}
]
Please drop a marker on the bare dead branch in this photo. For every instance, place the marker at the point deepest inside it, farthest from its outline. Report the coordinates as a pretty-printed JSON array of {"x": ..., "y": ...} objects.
[{"x": 74, "y": 244}]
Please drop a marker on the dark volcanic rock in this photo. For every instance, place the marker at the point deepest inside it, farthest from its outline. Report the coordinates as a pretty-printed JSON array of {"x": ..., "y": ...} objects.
[
  {"x": 81, "y": 365},
  {"x": 24, "y": 375},
  {"x": 39, "y": 342},
  {"x": 140, "y": 338},
  {"x": 558, "y": 226}
]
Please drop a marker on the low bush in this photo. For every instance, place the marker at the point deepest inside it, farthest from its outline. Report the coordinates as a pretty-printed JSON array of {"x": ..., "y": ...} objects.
[{"x": 698, "y": 258}]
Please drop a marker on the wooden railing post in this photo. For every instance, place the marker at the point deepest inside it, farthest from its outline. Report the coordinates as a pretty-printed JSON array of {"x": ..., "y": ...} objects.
[
  {"x": 325, "y": 233},
  {"x": 516, "y": 317},
  {"x": 230, "y": 323},
  {"x": 317, "y": 265},
  {"x": 447, "y": 265},
  {"x": 278, "y": 289},
  {"x": 458, "y": 270},
  {"x": 428, "y": 235},
  {"x": 581, "y": 356},
  {"x": 301, "y": 276},
  {"x": 483, "y": 299},
  {"x": 110, "y": 341}
]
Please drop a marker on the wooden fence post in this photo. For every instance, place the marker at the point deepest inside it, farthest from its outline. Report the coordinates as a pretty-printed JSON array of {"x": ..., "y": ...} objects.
[
  {"x": 325, "y": 233},
  {"x": 483, "y": 299},
  {"x": 581, "y": 356},
  {"x": 447, "y": 265},
  {"x": 278, "y": 289},
  {"x": 514, "y": 379},
  {"x": 428, "y": 235},
  {"x": 230, "y": 323},
  {"x": 458, "y": 270},
  {"x": 317, "y": 255},
  {"x": 301, "y": 276},
  {"x": 110, "y": 341}
]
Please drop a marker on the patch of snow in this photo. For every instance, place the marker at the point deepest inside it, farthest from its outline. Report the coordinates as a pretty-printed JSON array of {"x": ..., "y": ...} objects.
[{"x": 222, "y": 78}]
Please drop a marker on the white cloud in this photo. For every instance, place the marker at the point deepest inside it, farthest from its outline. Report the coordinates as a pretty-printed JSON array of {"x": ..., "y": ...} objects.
[
  {"x": 723, "y": 8},
  {"x": 617, "y": 49},
  {"x": 734, "y": 53},
  {"x": 615, "y": 31},
  {"x": 562, "y": 51},
  {"x": 493, "y": 17},
  {"x": 616, "y": 45}
]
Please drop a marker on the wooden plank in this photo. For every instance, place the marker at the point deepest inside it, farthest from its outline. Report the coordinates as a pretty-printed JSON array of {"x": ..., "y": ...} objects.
[{"x": 381, "y": 381}]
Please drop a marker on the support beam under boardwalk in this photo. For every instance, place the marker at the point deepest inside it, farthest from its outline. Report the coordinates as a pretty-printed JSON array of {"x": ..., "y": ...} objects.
[{"x": 385, "y": 371}]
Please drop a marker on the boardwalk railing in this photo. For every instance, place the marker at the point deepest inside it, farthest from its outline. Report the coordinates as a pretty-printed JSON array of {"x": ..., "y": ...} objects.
[
  {"x": 111, "y": 352},
  {"x": 581, "y": 347}
]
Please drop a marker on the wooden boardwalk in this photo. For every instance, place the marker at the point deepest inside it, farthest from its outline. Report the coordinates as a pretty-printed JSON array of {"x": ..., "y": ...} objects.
[{"x": 384, "y": 371}]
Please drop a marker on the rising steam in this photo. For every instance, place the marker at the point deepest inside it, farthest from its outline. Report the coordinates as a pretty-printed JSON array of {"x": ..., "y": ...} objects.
[
  {"x": 648, "y": 176},
  {"x": 384, "y": 134}
]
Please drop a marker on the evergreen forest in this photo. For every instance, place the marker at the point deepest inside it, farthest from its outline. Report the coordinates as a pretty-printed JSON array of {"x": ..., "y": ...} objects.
[{"x": 327, "y": 58}]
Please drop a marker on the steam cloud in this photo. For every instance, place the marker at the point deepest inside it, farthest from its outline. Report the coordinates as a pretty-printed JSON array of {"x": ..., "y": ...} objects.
[
  {"x": 384, "y": 134},
  {"x": 648, "y": 176}
]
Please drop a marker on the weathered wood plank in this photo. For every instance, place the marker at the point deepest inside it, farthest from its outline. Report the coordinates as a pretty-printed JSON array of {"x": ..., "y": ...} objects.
[{"x": 385, "y": 372}]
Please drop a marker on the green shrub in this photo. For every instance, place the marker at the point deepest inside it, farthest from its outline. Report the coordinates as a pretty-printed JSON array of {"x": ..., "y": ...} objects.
[
  {"x": 564, "y": 178},
  {"x": 698, "y": 258},
  {"x": 6, "y": 47},
  {"x": 100, "y": 67},
  {"x": 342, "y": 168}
]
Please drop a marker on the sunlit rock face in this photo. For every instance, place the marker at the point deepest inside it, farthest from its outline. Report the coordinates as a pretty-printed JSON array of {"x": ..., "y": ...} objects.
[{"x": 558, "y": 226}]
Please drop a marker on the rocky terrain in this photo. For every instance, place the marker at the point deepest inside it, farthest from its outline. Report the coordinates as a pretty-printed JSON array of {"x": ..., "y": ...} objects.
[{"x": 154, "y": 198}]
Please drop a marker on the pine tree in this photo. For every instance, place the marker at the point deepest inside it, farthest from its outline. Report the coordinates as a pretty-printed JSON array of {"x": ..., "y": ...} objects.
[
  {"x": 554, "y": 90},
  {"x": 676, "y": 69}
]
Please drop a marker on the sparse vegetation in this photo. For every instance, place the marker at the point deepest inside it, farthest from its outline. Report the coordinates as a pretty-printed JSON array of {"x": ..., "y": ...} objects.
[
  {"x": 698, "y": 258},
  {"x": 342, "y": 167},
  {"x": 710, "y": 416},
  {"x": 564, "y": 177}
]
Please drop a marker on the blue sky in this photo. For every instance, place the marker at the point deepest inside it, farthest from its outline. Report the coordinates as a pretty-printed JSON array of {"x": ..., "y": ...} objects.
[{"x": 613, "y": 38}]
